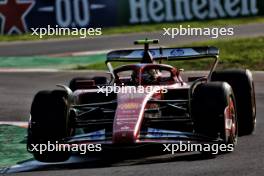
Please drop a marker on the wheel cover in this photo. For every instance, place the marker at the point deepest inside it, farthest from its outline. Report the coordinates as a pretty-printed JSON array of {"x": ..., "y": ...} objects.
[{"x": 231, "y": 122}]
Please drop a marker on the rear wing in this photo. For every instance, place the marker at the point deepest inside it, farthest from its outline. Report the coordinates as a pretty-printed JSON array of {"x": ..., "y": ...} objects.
[{"x": 159, "y": 54}]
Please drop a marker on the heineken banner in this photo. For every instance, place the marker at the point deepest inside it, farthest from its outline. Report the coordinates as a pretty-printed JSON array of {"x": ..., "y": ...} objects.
[{"x": 19, "y": 16}]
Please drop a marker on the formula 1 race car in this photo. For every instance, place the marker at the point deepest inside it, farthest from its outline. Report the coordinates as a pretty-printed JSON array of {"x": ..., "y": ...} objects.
[{"x": 145, "y": 103}]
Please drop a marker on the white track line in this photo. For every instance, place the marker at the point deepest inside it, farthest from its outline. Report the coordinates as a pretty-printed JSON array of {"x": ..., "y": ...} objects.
[
  {"x": 15, "y": 123},
  {"x": 87, "y": 53}
]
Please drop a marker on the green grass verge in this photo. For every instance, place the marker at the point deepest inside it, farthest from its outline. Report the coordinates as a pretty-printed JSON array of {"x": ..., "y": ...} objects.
[
  {"x": 49, "y": 62},
  {"x": 12, "y": 147},
  {"x": 145, "y": 28},
  {"x": 235, "y": 53}
]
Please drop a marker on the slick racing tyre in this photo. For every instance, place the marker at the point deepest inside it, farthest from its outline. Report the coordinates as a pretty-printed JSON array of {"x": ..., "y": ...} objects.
[
  {"x": 81, "y": 82},
  {"x": 242, "y": 84},
  {"x": 49, "y": 123},
  {"x": 214, "y": 112}
]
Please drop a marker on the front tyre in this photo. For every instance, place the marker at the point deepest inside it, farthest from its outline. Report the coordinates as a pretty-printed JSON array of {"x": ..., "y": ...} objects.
[
  {"x": 242, "y": 84},
  {"x": 214, "y": 112},
  {"x": 49, "y": 123}
]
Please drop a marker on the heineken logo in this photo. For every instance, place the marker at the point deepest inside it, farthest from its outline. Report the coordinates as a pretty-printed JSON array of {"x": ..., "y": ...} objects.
[{"x": 144, "y": 11}]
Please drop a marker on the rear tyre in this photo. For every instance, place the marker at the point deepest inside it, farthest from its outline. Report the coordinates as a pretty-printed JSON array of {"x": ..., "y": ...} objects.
[
  {"x": 242, "y": 84},
  {"x": 214, "y": 112},
  {"x": 77, "y": 83},
  {"x": 49, "y": 123}
]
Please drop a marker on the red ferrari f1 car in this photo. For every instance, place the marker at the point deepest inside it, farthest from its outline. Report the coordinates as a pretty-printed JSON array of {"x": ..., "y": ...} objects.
[{"x": 215, "y": 108}]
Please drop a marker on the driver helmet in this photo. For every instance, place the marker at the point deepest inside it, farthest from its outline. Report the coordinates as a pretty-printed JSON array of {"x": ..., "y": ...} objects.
[{"x": 150, "y": 76}]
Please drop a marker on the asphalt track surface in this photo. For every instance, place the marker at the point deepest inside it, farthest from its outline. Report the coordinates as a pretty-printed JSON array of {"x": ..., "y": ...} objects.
[
  {"x": 19, "y": 88},
  {"x": 111, "y": 42}
]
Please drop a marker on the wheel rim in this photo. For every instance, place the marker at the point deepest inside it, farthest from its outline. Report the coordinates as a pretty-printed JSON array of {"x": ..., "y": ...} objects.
[
  {"x": 231, "y": 122},
  {"x": 253, "y": 103}
]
